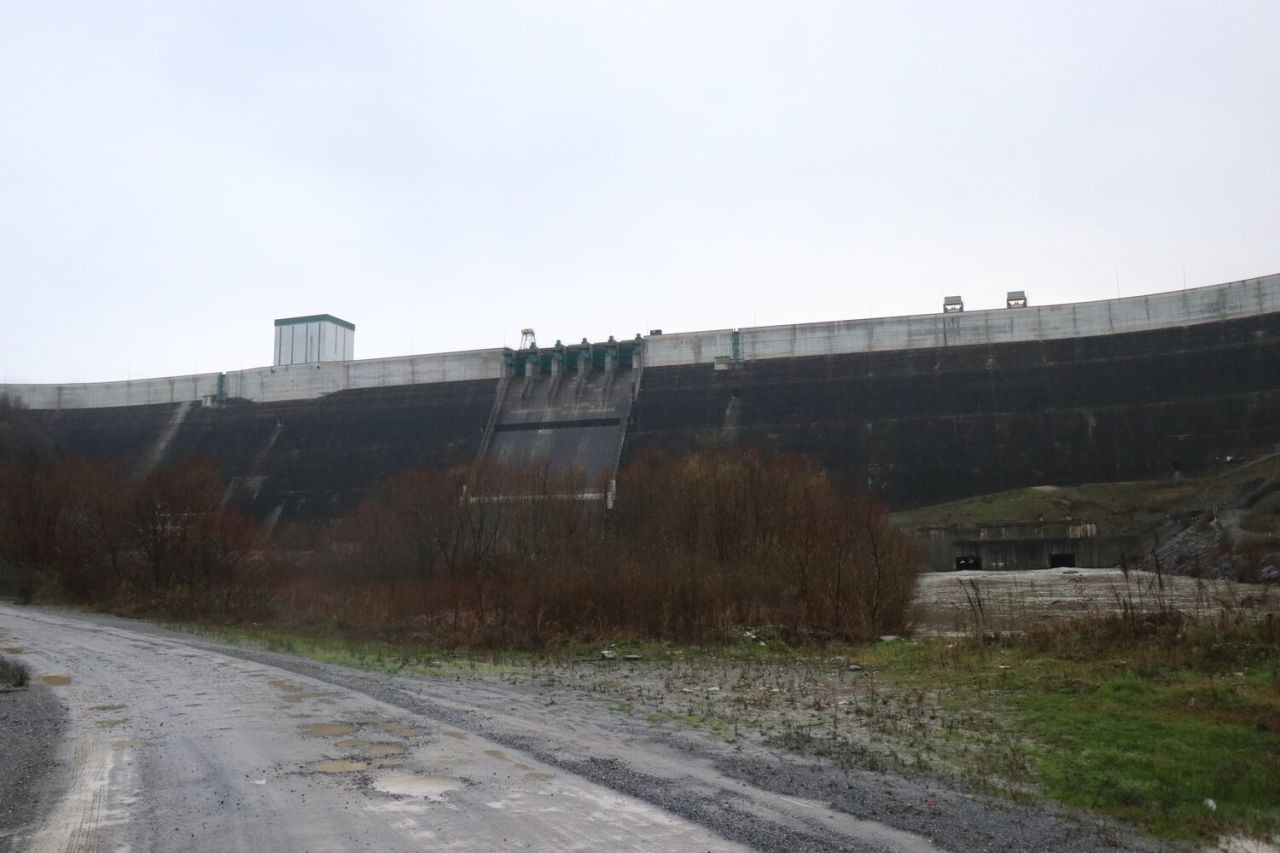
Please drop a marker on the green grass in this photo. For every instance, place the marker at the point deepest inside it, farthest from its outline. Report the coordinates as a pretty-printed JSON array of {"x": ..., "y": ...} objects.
[
  {"x": 1122, "y": 507},
  {"x": 1133, "y": 737},
  {"x": 368, "y": 654},
  {"x": 1119, "y": 506},
  {"x": 1134, "y": 750}
]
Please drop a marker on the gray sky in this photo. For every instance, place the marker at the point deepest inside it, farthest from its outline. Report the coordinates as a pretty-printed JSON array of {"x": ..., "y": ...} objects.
[{"x": 174, "y": 176}]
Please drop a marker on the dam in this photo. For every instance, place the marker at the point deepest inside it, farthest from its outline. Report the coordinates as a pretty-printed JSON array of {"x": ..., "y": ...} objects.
[{"x": 920, "y": 409}]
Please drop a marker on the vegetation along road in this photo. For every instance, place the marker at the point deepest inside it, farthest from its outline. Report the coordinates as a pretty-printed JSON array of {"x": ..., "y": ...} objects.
[{"x": 176, "y": 742}]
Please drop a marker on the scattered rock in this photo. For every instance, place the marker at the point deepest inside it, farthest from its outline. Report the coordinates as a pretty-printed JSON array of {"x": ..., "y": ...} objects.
[
  {"x": 632, "y": 657},
  {"x": 608, "y": 654}
]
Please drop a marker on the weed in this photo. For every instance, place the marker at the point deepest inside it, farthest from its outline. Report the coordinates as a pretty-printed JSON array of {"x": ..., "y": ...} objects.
[{"x": 13, "y": 673}]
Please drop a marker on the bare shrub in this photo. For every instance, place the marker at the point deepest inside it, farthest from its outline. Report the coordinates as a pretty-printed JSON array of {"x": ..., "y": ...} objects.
[
  {"x": 13, "y": 674},
  {"x": 696, "y": 548}
]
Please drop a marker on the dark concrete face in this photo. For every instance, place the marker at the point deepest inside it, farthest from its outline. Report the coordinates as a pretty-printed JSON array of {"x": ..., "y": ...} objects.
[
  {"x": 296, "y": 460},
  {"x": 916, "y": 426},
  {"x": 925, "y": 426}
]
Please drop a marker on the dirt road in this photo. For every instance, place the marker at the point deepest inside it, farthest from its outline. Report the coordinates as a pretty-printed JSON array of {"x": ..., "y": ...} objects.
[{"x": 177, "y": 743}]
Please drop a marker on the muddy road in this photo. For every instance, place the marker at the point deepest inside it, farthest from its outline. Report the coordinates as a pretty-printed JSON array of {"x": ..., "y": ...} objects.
[{"x": 169, "y": 742}]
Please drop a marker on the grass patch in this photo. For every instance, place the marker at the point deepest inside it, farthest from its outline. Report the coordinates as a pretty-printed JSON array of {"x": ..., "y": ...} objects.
[
  {"x": 1179, "y": 737},
  {"x": 361, "y": 653},
  {"x": 1138, "y": 751},
  {"x": 1120, "y": 506}
]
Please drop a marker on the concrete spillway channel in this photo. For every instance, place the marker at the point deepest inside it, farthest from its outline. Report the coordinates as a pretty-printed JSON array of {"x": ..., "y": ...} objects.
[{"x": 575, "y": 424}]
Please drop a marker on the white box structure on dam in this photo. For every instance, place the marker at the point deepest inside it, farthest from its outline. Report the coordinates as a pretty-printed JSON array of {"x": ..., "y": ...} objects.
[{"x": 314, "y": 338}]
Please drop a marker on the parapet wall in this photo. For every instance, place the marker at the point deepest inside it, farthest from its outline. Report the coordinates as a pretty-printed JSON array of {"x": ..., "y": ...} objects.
[
  {"x": 306, "y": 381},
  {"x": 128, "y": 392},
  {"x": 1235, "y": 300},
  {"x": 266, "y": 384}
]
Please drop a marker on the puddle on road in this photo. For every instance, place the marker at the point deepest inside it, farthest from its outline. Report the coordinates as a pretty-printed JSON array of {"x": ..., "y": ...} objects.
[
  {"x": 318, "y": 695},
  {"x": 125, "y": 743},
  {"x": 57, "y": 680},
  {"x": 328, "y": 729},
  {"x": 497, "y": 753},
  {"x": 540, "y": 776},
  {"x": 458, "y": 735},
  {"x": 111, "y": 724},
  {"x": 371, "y": 748},
  {"x": 416, "y": 785},
  {"x": 398, "y": 729},
  {"x": 107, "y": 708},
  {"x": 337, "y": 766},
  {"x": 371, "y": 717},
  {"x": 13, "y": 650},
  {"x": 288, "y": 686}
]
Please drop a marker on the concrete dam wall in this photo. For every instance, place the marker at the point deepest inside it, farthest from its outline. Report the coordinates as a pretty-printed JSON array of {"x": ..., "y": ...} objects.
[
  {"x": 930, "y": 425},
  {"x": 921, "y": 409}
]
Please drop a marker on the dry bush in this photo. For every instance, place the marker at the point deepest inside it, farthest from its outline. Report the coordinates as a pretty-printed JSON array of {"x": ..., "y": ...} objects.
[
  {"x": 697, "y": 547},
  {"x": 13, "y": 673},
  {"x": 84, "y": 531},
  {"x": 748, "y": 538}
]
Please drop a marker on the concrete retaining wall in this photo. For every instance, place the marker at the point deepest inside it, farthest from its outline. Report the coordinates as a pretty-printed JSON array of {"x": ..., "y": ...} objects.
[{"x": 1019, "y": 547}]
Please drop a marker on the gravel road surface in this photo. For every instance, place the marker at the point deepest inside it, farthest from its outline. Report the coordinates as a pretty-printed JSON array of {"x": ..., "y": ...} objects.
[{"x": 170, "y": 742}]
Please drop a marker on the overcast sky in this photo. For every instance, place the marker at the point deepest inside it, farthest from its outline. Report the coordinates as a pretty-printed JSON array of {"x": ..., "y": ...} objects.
[{"x": 174, "y": 176}]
